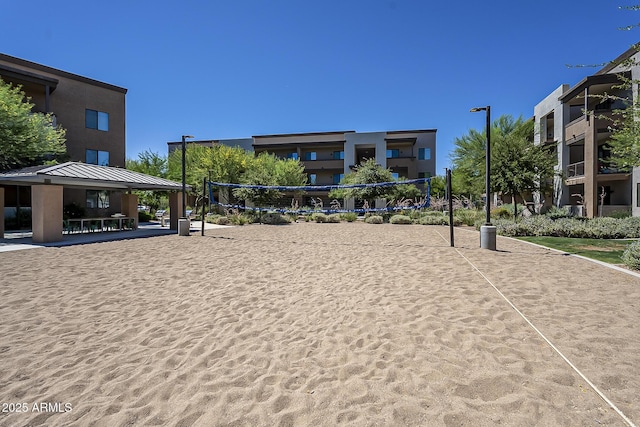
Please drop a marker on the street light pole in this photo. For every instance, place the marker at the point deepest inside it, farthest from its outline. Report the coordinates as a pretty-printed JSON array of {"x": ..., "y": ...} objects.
[
  {"x": 488, "y": 167},
  {"x": 184, "y": 174},
  {"x": 488, "y": 231}
]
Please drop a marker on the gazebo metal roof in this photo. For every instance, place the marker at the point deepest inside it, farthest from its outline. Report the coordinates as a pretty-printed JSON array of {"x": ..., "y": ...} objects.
[{"x": 75, "y": 174}]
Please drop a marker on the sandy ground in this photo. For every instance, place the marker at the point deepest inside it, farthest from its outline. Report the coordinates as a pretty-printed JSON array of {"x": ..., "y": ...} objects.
[{"x": 314, "y": 324}]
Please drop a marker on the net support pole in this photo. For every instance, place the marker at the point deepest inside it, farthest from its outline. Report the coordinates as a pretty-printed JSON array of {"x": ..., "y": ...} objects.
[
  {"x": 204, "y": 192},
  {"x": 450, "y": 207}
]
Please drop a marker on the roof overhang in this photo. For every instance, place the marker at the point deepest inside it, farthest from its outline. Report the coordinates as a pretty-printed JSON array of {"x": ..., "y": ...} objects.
[
  {"x": 16, "y": 74},
  {"x": 597, "y": 79},
  {"x": 82, "y": 175}
]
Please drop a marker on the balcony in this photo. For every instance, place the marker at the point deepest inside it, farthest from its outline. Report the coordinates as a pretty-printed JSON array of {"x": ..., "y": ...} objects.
[
  {"x": 575, "y": 129},
  {"x": 399, "y": 162},
  {"x": 325, "y": 164},
  {"x": 575, "y": 170}
]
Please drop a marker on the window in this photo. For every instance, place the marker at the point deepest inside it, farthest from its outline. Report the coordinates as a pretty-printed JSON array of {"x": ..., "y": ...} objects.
[
  {"x": 310, "y": 155},
  {"x": 338, "y": 155},
  {"x": 424, "y": 154},
  {"x": 337, "y": 177},
  {"x": 395, "y": 175},
  {"x": 392, "y": 154},
  {"x": 96, "y": 120},
  {"x": 424, "y": 174},
  {"x": 96, "y": 157},
  {"x": 312, "y": 178},
  {"x": 293, "y": 156},
  {"x": 97, "y": 199}
]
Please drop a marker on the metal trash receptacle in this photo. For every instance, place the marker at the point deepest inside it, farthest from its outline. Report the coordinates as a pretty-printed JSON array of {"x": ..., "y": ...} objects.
[{"x": 183, "y": 226}]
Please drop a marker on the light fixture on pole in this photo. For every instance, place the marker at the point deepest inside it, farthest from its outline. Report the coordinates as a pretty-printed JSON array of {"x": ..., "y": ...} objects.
[
  {"x": 488, "y": 231},
  {"x": 184, "y": 175}
]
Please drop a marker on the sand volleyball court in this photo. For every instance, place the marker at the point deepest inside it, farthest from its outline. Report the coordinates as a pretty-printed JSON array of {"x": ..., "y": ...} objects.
[{"x": 315, "y": 324}]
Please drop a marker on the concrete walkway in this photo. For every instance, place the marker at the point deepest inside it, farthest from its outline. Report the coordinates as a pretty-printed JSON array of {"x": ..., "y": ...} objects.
[{"x": 19, "y": 240}]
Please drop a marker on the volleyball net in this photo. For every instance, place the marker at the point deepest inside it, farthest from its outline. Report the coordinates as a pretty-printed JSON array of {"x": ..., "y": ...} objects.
[{"x": 335, "y": 206}]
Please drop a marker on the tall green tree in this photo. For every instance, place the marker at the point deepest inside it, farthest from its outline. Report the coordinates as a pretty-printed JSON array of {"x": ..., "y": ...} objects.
[
  {"x": 625, "y": 139},
  {"x": 153, "y": 164},
  {"x": 222, "y": 163},
  {"x": 26, "y": 138},
  {"x": 149, "y": 163},
  {"x": 468, "y": 159},
  {"x": 267, "y": 169},
  {"x": 518, "y": 165},
  {"x": 438, "y": 186}
]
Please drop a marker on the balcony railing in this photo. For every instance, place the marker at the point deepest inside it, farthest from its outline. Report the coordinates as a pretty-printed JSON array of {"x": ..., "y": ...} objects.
[{"x": 575, "y": 170}]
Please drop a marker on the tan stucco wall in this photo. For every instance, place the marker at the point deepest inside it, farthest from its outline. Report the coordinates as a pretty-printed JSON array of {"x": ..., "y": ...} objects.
[
  {"x": 130, "y": 207},
  {"x": 175, "y": 209},
  {"x": 72, "y": 96},
  {"x": 46, "y": 213}
]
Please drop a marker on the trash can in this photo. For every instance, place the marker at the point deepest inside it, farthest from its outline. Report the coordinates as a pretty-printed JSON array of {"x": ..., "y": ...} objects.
[
  {"x": 488, "y": 237},
  {"x": 183, "y": 226}
]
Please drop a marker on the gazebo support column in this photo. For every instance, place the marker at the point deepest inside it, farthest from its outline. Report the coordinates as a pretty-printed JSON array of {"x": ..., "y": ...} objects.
[
  {"x": 1, "y": 213},
  {"x": 46, "y": 213},
  {"x": 175, "y": 209},
  {"x": 129, "y": 207}
]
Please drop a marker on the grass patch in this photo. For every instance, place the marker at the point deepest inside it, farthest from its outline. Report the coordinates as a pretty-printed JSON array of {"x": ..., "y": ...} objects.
[{"x": 603, "y": 250}]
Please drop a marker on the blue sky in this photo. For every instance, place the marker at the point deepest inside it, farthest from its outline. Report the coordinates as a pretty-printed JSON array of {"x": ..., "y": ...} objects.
[{"x": 233, "y": 69}]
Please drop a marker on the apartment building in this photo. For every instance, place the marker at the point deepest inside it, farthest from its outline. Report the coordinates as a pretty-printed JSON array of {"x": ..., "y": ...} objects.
[
  {"x": 328, "y": 156},
  {"x": 93, "y": 114},
  {"x": 575, "y": 122}
]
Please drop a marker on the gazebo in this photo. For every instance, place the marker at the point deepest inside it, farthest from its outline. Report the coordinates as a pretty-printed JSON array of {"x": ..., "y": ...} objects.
[{"x": 47, "y": 183}]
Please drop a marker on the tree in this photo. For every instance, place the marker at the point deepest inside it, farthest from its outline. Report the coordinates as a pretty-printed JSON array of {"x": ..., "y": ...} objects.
[
  {"x": 267, "y": 169},
  {"x": 438, "y": 186},
  {"x": 517, "y": 164},
  {"x": 369, "y": 172},
  {"x": 26, "y": 138},
  {"x": 153, "y": 164},
  {"x": 625, "y": 140},
  {"x": 221, "y": 163},
  {"x": 149, "y": 163},
  {"x": 468, "y": 159}
]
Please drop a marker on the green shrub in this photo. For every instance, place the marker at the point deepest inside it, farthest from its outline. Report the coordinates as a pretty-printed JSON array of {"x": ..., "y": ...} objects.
[
  {"x": 319, "y": 217},
  {"x": 556, "y": 213},
  {"x": 400, "y": 219},
  {"x": 144, "y": 216},
  {"x": 596, "y": 228},
  {"x": 415, "y": 214},
  {"x": 274, "y": 218},
  {"x": 334, "y": 218},
  {"x": 620, "y": 214},
  {"x": 349, "y": 216},
  {"x": 374, "y": 219},
  {"x": 501, "y": 213},
  {"x": 221, "y": 220},
  {"x": 211, "y": 218},
  {"x": 631, "y": 256},
  {"x": 440, "y": 219},
  {"x": 240, "y": 219},
  {"x": 466, "y": 216},
  {"x": 291, "y": 217}
]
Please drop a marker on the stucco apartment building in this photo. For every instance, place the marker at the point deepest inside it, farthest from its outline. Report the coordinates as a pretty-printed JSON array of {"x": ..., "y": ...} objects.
[
  {"x": 575, "y": 122},
  {"x": 328, "y": 156},
  {"x": 93, "y": 114}
]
